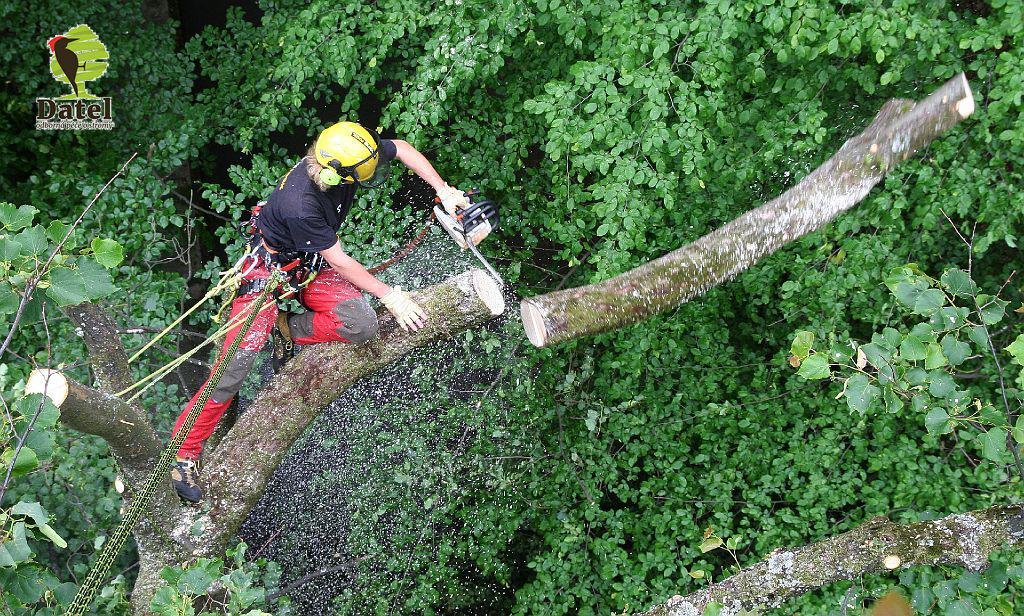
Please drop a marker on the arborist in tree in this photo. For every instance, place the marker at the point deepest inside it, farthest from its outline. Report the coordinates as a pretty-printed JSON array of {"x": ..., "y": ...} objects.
[{"x": 300, "y": 221}]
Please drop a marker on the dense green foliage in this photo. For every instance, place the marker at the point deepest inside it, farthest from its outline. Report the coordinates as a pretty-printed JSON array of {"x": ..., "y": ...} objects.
[{"x": 611, "y": 131}]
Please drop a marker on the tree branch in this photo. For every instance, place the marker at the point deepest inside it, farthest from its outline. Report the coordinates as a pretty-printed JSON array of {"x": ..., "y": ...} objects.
[
  {"x": 899, "y": 130},
  {"x": 238, "y": 471},
  {"x": 963, "y": 539},
  {"x": 123, "y": 426},
  {"x": 106, "y": 353}
]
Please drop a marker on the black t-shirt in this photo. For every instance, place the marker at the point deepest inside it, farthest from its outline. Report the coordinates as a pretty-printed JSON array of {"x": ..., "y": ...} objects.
[{"x": 300, "y": 216}]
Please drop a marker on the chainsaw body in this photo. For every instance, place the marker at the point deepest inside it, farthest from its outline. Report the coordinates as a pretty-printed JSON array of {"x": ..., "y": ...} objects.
[
  {"x": 468, "y": 225},
  {"x": 480, "y": 215}
]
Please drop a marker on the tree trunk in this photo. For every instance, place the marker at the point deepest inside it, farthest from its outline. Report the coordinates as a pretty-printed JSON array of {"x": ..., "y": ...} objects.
[
  {"x": 899, "y": 130},
  {"x": 238, "y": 470},
  {"x": 963, "y": 539}
]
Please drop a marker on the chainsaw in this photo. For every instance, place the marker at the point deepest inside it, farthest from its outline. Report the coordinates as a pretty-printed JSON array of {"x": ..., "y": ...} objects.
[{"x": 480, "y": 211}]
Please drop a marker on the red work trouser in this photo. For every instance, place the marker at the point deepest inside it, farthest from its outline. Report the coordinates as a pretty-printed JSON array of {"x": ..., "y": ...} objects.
[{"x": 337, "y": 311}]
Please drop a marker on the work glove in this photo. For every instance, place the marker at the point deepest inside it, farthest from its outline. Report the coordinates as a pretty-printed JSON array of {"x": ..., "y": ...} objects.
[
  {"x": 408, "y": 314},
  {"x": 452, "y": 199}
]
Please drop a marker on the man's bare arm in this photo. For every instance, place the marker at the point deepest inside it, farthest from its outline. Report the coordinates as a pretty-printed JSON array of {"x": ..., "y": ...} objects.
[{"x": 419, "y": 164}]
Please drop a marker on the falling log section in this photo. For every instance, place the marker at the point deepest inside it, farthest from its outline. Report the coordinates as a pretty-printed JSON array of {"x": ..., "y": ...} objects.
[{"x": 900, "y": 129}]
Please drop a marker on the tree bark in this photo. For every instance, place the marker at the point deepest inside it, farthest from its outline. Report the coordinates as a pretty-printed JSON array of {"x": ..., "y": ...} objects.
[
  {"x": 963, "y": 539},
  {"x": 240, "y": 467},
  {"x": 899, "y": 130}
]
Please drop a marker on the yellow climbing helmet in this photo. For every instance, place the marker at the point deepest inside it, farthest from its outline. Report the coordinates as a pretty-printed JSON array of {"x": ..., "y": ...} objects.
[{"x": 348, "y": 153}]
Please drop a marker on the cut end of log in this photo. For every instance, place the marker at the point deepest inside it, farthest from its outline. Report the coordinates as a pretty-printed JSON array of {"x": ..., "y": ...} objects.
[
  {"x": 533, "y": 323},
  {"x": 489, "y": 292},
  {"x": 51, "y": 383},
  {"x": 965, "y": 106}
]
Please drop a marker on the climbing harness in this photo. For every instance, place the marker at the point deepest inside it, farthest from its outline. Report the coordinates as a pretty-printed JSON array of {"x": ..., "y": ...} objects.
[{"x": 140, "y": 504}]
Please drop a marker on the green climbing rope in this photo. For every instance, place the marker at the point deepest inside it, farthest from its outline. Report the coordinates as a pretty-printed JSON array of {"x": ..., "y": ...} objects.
[{"x": 140, "y": 503}]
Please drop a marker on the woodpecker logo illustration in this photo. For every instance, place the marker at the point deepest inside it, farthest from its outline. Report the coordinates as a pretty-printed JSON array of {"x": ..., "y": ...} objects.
[{"x": 77, "y": 57}]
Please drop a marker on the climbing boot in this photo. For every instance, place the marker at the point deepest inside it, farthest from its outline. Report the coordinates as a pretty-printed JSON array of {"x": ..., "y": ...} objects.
[
  {"x": 284, "y": 348},
  {"x": 185, "y": 478}
]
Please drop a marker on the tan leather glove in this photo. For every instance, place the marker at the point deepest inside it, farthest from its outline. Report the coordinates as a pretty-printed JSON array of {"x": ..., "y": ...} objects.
[
  {"x": 409, "y": 315},
  {"x": 452, "y": 199}
]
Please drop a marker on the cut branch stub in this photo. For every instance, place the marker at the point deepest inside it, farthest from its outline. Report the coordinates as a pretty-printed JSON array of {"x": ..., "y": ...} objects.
[{"x": 900, "y": 129}]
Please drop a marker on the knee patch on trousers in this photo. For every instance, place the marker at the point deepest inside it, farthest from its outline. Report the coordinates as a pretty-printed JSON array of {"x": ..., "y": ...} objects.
[
  {"x": 233, "y": 376},
  {"x": 358, "y": 320}
]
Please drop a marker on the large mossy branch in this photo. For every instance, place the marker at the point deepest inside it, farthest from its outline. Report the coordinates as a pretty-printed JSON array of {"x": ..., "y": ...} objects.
[
  {"x": 963, "y": 539},
  {"x": 900, "y": 129},
  {"x": 106, "y": 353},
  {"x": 243, "y": 463}
]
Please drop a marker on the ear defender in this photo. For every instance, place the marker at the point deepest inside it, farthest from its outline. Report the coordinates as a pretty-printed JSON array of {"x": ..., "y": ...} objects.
[{"x": 329, "y": 176}]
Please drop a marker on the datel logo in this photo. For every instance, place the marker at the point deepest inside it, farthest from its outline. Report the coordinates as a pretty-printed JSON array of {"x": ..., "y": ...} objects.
[{"x": 76, "y": 58}]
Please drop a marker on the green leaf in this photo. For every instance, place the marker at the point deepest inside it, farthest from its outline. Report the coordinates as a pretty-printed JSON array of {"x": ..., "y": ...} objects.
[
  {"x": 979, "y": 335},
  {"x": 711, "y": 543},
  {"x": 167, "y": 602},
  {"x": 65, "y": 593},
  {"x": 97, "y": 279},
  {"x": 802, "y": 343},
  {"x": 934, "y": 358},
  {"x": 1016, "y": 349},
  {"x": 195, "y": 581},
  {"x": 948, "y": 317},
  {"x": 9, "y": 300},
  {"x": 1018, "y": 430},
  {"x": 962, "y": 607},
  {"x": 917, "y": 376},
  {"x": 713, "y": 609},
  {"x": 67, "y": 287},
  {"x": 921, "y": 599},
  {"x": 929, "y": 301},
  {"x": 32, "y": 510},
  {"x": 992, "y": 309},
  {"x": 16, "y": 218},
  {"x": 860, "y": 393},
  {"x": 814, "y": 367},
  {"x": 969, "y": 581},
  {"x": 993, "y": 444},
  {"x": 9, "y": 249},
  {"x": 893, "y": 401},
  {"x": 954, "y": 350},
  {"x": 32, "y": 241},
  {"x": 941, "y": 384},
  {"x": 56, "y": 232},
  {"x": 48, "y": 413},
  {"x": 16, "y": 547},
  {"x": 908, "y": 292},
  {"x": 937, "y": 421},
  {"x": 26, "y": 583},
  {"x": 959, "y": 283},
  {"x": 26, "y": 463},
  {"x": 913, "y": 349},
  {"x": 107, "y": 252}
]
